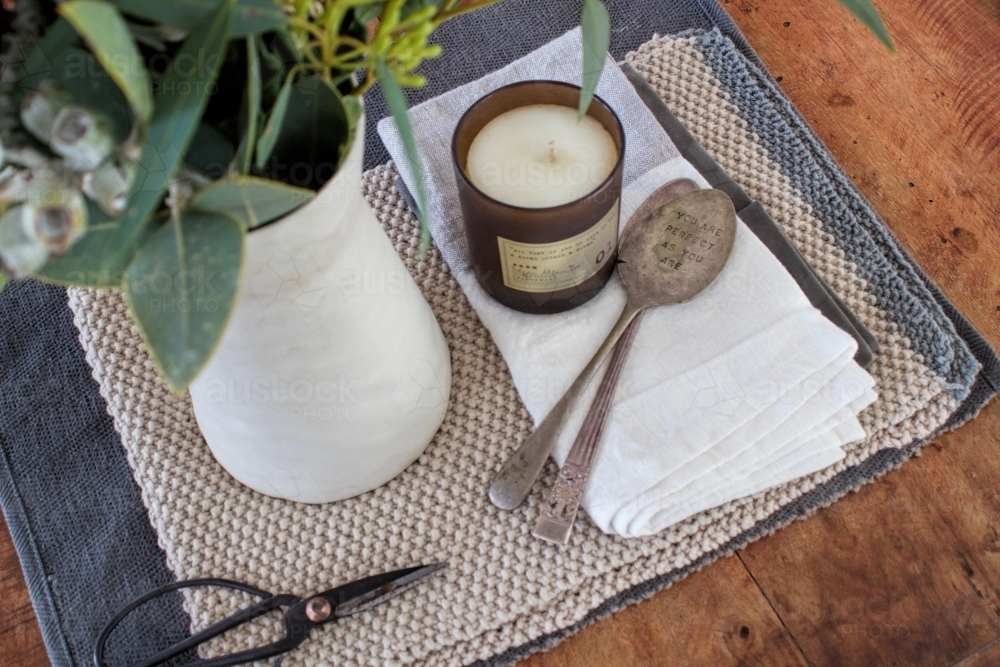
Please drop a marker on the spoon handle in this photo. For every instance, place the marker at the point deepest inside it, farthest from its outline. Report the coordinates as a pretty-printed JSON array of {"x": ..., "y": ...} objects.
[
  {"x": 514, "y": 481},
  {"x": 561, "y": 505}
]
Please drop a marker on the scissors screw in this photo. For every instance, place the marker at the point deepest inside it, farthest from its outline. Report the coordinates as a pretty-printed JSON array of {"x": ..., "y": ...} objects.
[{"x": 318, "y": 609}]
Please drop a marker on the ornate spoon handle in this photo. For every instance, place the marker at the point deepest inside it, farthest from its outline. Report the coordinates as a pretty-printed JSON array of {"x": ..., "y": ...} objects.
[
  {"x": 513, "y": 483},
  {"x": 560, "y": 507}
]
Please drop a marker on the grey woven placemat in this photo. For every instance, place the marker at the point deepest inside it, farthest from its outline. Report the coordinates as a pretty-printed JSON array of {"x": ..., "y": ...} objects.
[{"x": 505, "y": 592}]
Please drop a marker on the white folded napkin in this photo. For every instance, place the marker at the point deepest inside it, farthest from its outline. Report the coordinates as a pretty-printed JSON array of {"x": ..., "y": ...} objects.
[{"x": 742, "y": 388}]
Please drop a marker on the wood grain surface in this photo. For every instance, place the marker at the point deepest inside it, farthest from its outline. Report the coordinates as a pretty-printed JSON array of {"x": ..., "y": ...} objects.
[
  {"x": 20, "y": 639},
  {"x": 907, "y": 570}
]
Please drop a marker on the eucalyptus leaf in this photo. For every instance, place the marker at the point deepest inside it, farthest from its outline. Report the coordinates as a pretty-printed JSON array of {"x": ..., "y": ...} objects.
[
  {"x": 3, "y": 281},
  {"x": 397, "y": 107},
  {"x": 251, "y": 16},
  {"x": 256, "y": 16},
  {"x": 265, "y": 144},
  {"x": 210, "y": 152},
  {"x": 178, "y": 106},
  {"x": 51, "y": 48},
  {"x": 148, "y": 35},
  {"x": 252, "y": 200},
  {"x": 313, "y": 136},
  {"x": 244, "y": 155},
  {"x": 272, "y": 70},
  {"x": 596, "y": 29},
  {"x": 106, "y": 33},
  {"x": 867, "y": 14},
  {"x": 367, "y": 13},
  {"x": 183, "y": 14},
  {"x": 411, "y": 6},
  {"x": 182, "y": 287},
  {"x": 59, "y": 36}
]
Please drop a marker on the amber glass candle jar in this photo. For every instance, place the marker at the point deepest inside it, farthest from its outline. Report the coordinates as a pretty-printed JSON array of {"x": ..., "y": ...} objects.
[{"x": 540, "y": 258}]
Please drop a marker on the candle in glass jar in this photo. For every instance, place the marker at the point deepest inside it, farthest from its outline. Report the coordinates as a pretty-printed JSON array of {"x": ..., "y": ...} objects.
[
  {"x": 540, "y": 156},
  {"x": 540, "y": 192}
]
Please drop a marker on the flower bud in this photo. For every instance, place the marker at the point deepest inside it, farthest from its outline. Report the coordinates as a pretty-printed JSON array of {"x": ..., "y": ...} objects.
[
  {"x": 82, "y": 137},
  {"x": 41, "y": 107},
  {"x": 15, "y": 184},
  {"x": 108, "y": 186},
  {"x": 21, "y": 254},
  {"x": 56, "y": 217}
]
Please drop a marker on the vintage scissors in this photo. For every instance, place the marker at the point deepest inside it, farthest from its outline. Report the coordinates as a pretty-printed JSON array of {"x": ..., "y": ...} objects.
[{"x": 300, "y": 617}]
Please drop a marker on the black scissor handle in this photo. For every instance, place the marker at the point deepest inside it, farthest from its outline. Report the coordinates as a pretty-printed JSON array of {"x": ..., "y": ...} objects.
[{"x": 293, "y": 636}]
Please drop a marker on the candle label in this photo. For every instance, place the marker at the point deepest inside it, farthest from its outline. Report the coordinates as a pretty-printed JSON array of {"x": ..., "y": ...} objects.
[{"x": 549, "y": 267}]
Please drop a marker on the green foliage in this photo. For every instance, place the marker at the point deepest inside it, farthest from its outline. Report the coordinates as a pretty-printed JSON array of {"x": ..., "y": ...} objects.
[
  {"x": 397, "y": 107},
  {"x": 313, "y": 135},
  {"x": 251, "y": 111},
  {"x": 250, "y": 16},
  {"x": 256, "y": 16},
  {"x": 105, "y": 32},
  {"x": 868, "y": 15},
  {"x": 275, "y": 119},
  {"x": 209, "y": 151},
  {"x": 182, "y": 14},
  {"x": 253, "y": 201},
  {"x": 179, "y": 104},
  {"x": 596, "y": 28},
  {"x": 171, "y": 176},
  {"x": 182, "y": 288}
]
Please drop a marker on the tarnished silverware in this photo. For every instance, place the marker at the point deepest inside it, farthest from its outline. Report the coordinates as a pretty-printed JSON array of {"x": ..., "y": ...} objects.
[
  {"x": 560, "y": 506},
  {"x": 669, "y": 255}
]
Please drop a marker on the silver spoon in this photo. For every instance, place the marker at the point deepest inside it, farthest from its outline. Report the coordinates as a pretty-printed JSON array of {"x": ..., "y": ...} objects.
[
  {"x": 668, "y": 256},
  {"x": 558, "y": 512}
]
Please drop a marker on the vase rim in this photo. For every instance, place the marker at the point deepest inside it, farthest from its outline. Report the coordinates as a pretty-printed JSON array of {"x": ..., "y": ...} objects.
[{"x": 358, "y": 137}]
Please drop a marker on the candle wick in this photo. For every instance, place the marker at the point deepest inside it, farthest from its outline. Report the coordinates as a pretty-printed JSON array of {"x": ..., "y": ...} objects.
[{"x": 552, "y": 151}]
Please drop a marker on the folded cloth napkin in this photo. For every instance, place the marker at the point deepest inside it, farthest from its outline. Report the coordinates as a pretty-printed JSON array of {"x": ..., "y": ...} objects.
[{"x": 742, "y": 388}]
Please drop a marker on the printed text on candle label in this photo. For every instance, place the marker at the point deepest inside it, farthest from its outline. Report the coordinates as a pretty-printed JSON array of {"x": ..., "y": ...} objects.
[
  {"x": 688, "y": 239},
  {"x": 548, "y": 267}
]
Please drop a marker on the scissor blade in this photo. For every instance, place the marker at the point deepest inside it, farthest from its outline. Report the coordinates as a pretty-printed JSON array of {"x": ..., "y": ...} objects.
[{"x": 366, "y": 593}]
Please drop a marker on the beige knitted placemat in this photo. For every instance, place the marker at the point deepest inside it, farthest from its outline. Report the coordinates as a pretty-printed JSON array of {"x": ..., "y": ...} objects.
[{"x": 504, "y": 589}]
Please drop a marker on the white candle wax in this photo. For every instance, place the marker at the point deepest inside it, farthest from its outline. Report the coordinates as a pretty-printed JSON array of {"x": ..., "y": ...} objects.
[{"x": 540, "y": 155}]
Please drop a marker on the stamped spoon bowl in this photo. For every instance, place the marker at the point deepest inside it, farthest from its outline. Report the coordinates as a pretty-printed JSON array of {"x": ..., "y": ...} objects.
[{"x": 669, "y": 256}]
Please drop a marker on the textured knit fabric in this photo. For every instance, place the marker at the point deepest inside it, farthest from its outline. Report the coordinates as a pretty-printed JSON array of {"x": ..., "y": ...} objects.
[{"x": 86, "y": 550}]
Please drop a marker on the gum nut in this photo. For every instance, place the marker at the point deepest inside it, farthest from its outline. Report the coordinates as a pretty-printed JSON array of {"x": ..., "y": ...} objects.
[
  {"x": 21, "y": 254},
  {"x": 56, "y": 218},
  {"x": 41, "y": 107},
  {"x": 15, "y": 184},
  {"x": 108, "y": 185},
  {"x": 83, "y": 138}
]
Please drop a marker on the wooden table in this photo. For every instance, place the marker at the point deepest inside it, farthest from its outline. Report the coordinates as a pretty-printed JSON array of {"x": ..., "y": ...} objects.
[{"x": 906, "y": 571}]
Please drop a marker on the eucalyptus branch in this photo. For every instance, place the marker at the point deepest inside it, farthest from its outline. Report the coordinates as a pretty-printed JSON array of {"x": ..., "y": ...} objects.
[{"x": 464, "y": 9}]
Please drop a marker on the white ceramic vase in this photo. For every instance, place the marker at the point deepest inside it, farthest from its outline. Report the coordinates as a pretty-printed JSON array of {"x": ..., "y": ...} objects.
[{"x": 333, "y": 374}]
